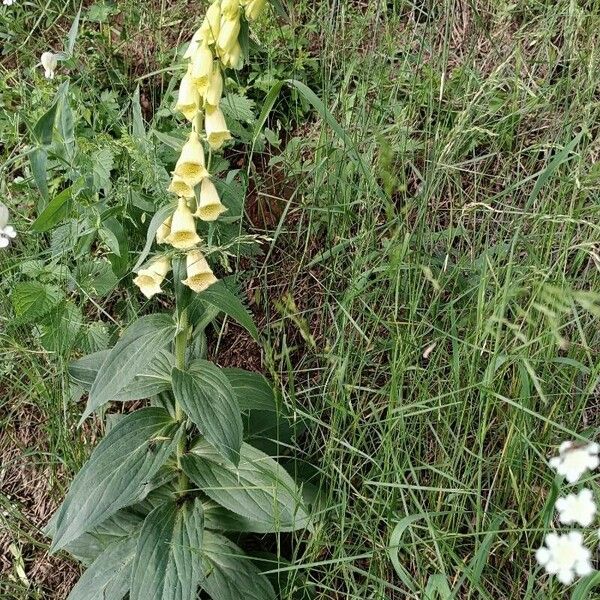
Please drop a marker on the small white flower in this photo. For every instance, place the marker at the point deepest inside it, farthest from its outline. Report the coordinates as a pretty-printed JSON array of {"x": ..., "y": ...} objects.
[
  {"x": 565, "y": 556},
  {"x": 577, "y": 508},
  {"x": 8, "y": 2},
  {"x": 49, "y": 61},
  {"x": 6, "y": 234},
  {"x": 574, "y": 460}
]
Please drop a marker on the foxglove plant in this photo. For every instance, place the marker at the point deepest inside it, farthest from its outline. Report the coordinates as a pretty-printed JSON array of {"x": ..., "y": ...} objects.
[{"x": 151, "y": 511}]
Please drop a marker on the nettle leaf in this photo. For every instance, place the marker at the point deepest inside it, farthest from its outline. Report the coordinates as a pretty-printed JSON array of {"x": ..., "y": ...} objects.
[
  {"x": 60, "y": 328},
  {"x": 154, "y": 378},
  {"x": 259, "y": 489},
  {"x": 138, "y": 346},
  {"x": 32, "y": 300},
  {"x": 239, "y": 108},
  {"x": 117, "y": 473},
  {"x": 230, "y": 574},
  {"x": 207, "y": 398},
  {"x": 109, "y": 575},
  {"x": 167, "y": 565},
  {"x": 252, "y": 390}
]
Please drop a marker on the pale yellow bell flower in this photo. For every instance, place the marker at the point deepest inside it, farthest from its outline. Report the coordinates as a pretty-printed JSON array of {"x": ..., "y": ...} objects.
[
  {"x": 199, "y": 273},
  {"x": 210, "y": 206},
  {"x": 191, "y": 167},
  {"x": 212, "y": 23},
  {"x": 163, "y": 231},
  {"x": 150, "y": 278},
  {"x": 228, "y": 34},
  {"x": 183, "y": 228},
  {"x": 202, "y": 66},
  {"x": 196, "y": 40},
  {"x": 180, "y": 187},
  {"x": 230, "y": 9},
  {"x": 233, "y": 59},
  {"x": 214, "y": 91},
  {"x": 253, "y": 8},
  {"x": 188, "y": 100},
  {"x": 216, "y": 128}
]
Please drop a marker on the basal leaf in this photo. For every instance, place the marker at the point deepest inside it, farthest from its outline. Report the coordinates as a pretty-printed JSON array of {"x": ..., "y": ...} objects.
[
  {"x": 136, "y": 349},
  {"x": 207, "y": 398},
  {"x": 109, "y": 575},
  {"x": 167, "y": 565},
  {"x": 252, "y": 390},
  {"x": 229, "y": 573},
  {"x": 259, "y": 488},
  {"x": 115, "y": 476}
]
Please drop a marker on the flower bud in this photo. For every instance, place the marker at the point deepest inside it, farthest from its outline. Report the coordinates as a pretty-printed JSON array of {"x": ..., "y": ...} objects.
[
  {"x": 190, "y": 166},
  {"x": 202, "y": 66},
  {"x": 216, "y": 128},
  {"x": 183, "y": 227},
  {"x": 212, "y": 23},
  {"x": 233, "y": 59},
  {"x": 210, "y": 206},
  {"x": 199, "y": 273},
  {"x": 163, "y": 231},
  {"x": 150, "y": 278},
  {"x": 214, "y": 91},
  {"x": 228, "y": 34},
  {"x": 188, "y": 101}
]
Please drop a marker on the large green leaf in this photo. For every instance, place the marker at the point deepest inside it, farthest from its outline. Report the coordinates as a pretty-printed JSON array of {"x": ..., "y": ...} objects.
[
  {"x": 140, "y": 343},
  {"x": 221, "y": 297},
  {"x": 117, "y": 473},
  {"x": 107, "y": 578},
  {"x": 32, "y": 300},
  {"x": 38, "y": 158},
  {"x": 167, "y": 564},
  {"x": 155, "y": 377},
  {"x": 55, "y": 210},
  {"x": 259, "y": 488},
  {"x": 252, "y": 390},
  {"x": 206, "y": 396},
  {"x": 230, "y": 575},
  {"x": 44, "y": 127}
]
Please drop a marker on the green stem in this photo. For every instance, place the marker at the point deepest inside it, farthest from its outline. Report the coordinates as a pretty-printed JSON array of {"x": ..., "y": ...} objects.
[{"x": 180, "y": 346}]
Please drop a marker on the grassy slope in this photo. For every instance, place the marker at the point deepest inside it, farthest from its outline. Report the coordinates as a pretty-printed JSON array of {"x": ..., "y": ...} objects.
[{"x": 458, "y": 113}]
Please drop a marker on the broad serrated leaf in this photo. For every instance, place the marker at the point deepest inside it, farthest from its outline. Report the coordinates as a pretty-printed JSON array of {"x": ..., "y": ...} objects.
[
  {"x": 102, "y": 164},
  {"x": 230, "y": 574},
  {"x": 154, "y": 378},
  {"x": 109, "y": 575},
  {"x": 218, "y": 518},
  {"x": 239, "y": 108},
  {"x": 252, "y": 390},
  {"x": 205, "y": 395},
  {"x": 117, "y": 473},
  {"x": 136, "y": 349},
  {"x": 95, "y": 277},
  {"x": 32, "y": 300},
  {"x": 259, "y": 488},
  {"x": 220, "y": 296},
  {"x": 167, "y": 565},
  {"x": 60, "y": 327}
]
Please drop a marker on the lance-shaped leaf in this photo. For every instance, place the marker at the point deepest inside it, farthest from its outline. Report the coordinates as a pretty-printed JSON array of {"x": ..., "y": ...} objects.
[
  {"x": 252, "y": 390},
  {"x": 229, "y": 573},
  {"x": 138, "y": 345},
  {"x": 259, "y": 489},
  {"x": 117, "y": 473},
  {"x": 155, "y": 377},
  {"x": 206, "y": 396},
  {"x": 109, "y": 575},
  {"x": 167, "y": 565}
]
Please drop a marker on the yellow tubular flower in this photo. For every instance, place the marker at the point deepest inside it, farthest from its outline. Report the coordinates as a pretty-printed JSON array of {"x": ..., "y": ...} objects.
[
  {"x": 199, "y": 274},
  {"x": 214, "y": 91},
  {"x": 253, "y": 8},
  {"x": 183, "y": 228},
  {"x": 188, "y": 101},
  {"x": 202, "y": 66},
  {"x": 163, "y": 231},
  {"x": 228, "y": 34},
  {"x": 196, "y": 40},
  {"x": 230, "y": 9},
  {"x": 216, "y": 128},
  {"x": 233, "y": 59},
  {"x": 190, "y": 166},
  {"x": 150, "y": 278},
  {"x": 212, "y": 23},
  {"x": 209, "y": 207},
  {"x": 180, "y": 187}
]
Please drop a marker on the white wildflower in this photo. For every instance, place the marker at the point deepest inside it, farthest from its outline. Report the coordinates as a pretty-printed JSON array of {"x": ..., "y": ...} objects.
[
  {"x": 577, "y": 508},
  {"x": 49, "y": 61},
  {"x": 8, "y": 2},
  {"x": 7, "y": 232},
  {"x": 574, "y": 460},
  {"x": 565, "y": 556}
]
